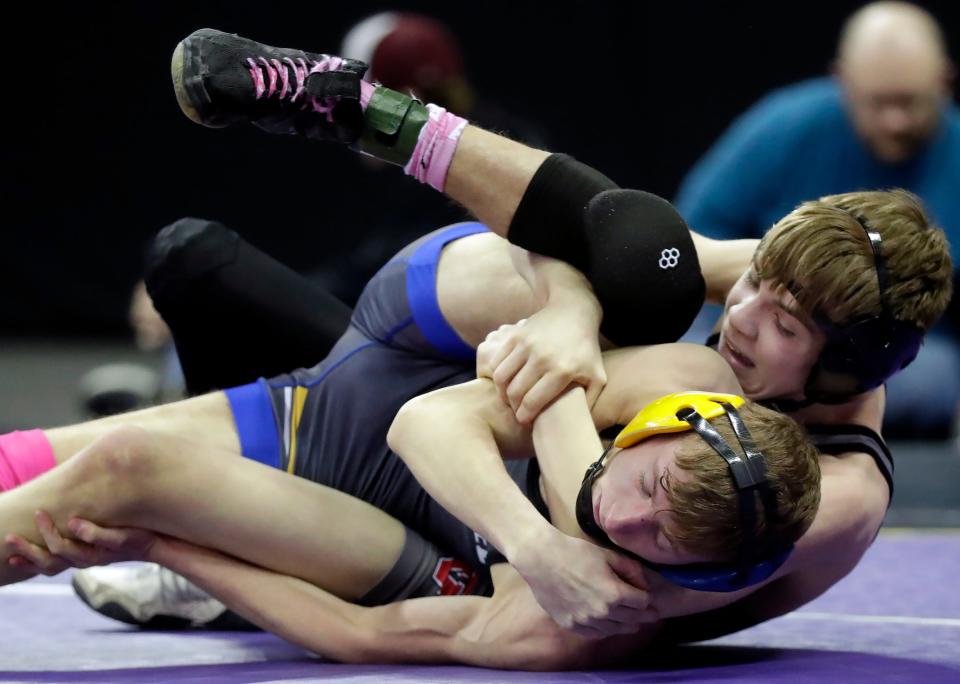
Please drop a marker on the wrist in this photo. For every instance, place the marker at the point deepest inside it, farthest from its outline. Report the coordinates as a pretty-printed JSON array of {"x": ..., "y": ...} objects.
[
  {"x": 165, "y": 551},
  {"x": 573, "y": 293},
  {"x": 524, "y": 544},
  {"x": 579, "y": 308}
]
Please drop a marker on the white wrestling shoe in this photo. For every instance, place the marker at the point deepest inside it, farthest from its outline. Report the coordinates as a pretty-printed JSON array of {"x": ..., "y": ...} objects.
[{"x": 149, "y": 596}]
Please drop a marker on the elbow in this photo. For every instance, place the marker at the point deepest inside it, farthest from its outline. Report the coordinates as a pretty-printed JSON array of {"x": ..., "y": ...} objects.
[
  {"x": 547, "y": 656},
  {"x": 408, "y": 423},
  {"x": 399, "y": 431}
]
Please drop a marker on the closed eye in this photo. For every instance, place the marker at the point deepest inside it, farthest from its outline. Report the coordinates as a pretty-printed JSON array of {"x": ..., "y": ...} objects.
[{"x": 786, "y": 332}]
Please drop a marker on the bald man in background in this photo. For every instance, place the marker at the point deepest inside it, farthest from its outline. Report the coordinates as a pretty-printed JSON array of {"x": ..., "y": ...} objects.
[{"x": 885, "y": 118}]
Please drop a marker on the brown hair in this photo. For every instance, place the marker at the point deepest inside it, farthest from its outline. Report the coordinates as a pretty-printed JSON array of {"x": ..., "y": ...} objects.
[
  {"x": 705, "y": 505},
  {"x": 820, "y": 253}
]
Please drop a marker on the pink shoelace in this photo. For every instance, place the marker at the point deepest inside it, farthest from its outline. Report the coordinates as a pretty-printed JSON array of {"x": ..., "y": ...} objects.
[{"x": 291, "y": 76}]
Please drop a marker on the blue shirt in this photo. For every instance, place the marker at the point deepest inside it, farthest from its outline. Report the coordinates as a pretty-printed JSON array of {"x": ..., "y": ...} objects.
[{"x": 798, "y": 144}]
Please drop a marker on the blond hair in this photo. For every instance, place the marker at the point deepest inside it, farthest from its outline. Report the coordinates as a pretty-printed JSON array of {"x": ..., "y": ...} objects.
[
  {"x": 821, "y": 254},
  {"x": 706, "y": 506}
]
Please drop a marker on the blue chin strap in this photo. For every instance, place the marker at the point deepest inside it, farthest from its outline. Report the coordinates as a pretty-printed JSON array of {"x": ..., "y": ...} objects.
[{"x": 676, "y": 413}]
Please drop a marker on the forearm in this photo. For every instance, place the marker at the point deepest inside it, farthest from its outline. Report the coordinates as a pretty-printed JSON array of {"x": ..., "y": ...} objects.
[
  {"x": 451, "y": 449},
  {"x": 421, "y": 630},
  {"x": 566, "y": 444},
  {"x": 286, "y": 606},
  {"x": 489, "y": 175},
  {"x": 722, "y": 263}
]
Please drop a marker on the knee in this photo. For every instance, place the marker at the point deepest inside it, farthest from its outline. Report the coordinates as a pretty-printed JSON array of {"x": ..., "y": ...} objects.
[
  {"x": 184, "y": 252},
  {"x": 122, "y": 456},
  {"x": 643, "y": 267}
]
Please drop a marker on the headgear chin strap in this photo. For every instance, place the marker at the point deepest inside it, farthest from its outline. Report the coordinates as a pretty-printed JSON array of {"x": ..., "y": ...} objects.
[
  {"x": 693, "y": 411},
  {"x": 864, "y": 353}
]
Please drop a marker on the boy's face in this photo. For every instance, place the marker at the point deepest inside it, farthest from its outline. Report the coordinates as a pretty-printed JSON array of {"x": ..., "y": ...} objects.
[
  {"x": 770, "y": 345},
  {"x": 630, "y": 500}
]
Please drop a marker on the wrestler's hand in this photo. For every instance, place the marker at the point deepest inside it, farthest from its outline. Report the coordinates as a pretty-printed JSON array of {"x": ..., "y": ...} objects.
[
  {"x": 591, "y": 591},
  {"x": 91, "y": 545},
  {"x": 535, "y": 360}
]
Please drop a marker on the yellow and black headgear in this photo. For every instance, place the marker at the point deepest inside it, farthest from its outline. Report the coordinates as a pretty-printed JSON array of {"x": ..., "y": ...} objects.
[{"x": 693, "y": 411}]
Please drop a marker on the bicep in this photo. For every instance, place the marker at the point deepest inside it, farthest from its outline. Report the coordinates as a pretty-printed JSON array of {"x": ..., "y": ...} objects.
[{"x": 468, "y": 411}]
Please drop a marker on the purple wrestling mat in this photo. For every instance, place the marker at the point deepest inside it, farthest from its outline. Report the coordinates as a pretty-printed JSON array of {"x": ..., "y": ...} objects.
[{"x": 896, "y": 618}]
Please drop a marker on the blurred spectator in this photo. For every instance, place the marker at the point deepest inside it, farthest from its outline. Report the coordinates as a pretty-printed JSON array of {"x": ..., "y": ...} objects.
[
  {"x": 884, "y": 119},
  {"x": 412, "y": 52}
]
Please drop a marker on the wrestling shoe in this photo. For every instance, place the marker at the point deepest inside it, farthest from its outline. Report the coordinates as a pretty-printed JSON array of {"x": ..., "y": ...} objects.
[
  {"x": 221, "y": 79},
  {"x": 152, "y": 597}
]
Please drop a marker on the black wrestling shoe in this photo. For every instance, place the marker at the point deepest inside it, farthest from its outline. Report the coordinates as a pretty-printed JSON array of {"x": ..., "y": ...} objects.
[{"x": 221, "y": 79}]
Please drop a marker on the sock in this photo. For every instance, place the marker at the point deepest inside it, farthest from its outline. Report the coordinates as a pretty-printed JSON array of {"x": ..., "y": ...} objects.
[{"x": 23, "y": 456}]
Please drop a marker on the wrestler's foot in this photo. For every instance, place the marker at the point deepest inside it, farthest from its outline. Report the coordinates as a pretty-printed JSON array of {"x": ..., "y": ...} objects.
[
  {"x": 152, "y": 597},
  {"x": 222, "y": 79}
]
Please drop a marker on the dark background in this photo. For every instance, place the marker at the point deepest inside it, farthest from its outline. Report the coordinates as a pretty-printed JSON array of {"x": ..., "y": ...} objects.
[{"x": 97, "y": 155}]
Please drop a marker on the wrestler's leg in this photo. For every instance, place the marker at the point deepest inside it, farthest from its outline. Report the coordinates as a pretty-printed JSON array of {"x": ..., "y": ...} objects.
[
  {"x": 236, "y": 313},
  {"x": 205, "y": 420},
  {"x": 624, "y": 242},
  {"x": 209, "y": 497}
]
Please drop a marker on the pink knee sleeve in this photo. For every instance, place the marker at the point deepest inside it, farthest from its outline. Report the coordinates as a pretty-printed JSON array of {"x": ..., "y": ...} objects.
[{"x": 23, "y": 456}]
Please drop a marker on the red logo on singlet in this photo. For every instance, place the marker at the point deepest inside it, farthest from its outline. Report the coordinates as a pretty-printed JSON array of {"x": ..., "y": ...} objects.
[{"x": 454, "y": 577}]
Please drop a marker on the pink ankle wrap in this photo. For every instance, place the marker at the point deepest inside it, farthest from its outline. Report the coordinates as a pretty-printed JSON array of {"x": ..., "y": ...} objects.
[
  {"x": 23, "y": 456},
  {"x": 435, "y": 147}
]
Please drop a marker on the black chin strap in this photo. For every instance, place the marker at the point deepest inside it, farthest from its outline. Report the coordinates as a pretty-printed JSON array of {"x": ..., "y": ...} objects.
[{"x": 584, "y": 506}]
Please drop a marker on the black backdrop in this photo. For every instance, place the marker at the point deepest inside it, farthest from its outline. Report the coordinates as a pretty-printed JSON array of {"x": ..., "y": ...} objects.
[{"x": 97, "y": 156}]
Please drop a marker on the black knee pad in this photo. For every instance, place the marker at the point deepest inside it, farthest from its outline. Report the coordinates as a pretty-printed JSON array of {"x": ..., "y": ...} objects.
[
  {"x": 550, "y": 217},
  {"x": 185, "y": 251},
  {"x": 643, "y": 267}
]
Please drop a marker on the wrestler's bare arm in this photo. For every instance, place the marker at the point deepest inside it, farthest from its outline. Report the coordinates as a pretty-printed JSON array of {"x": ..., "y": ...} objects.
[
  {"x": 506, "y": 631},
  {"x": 454, "y": 440},
  {"x": 722, "y": 262}
]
